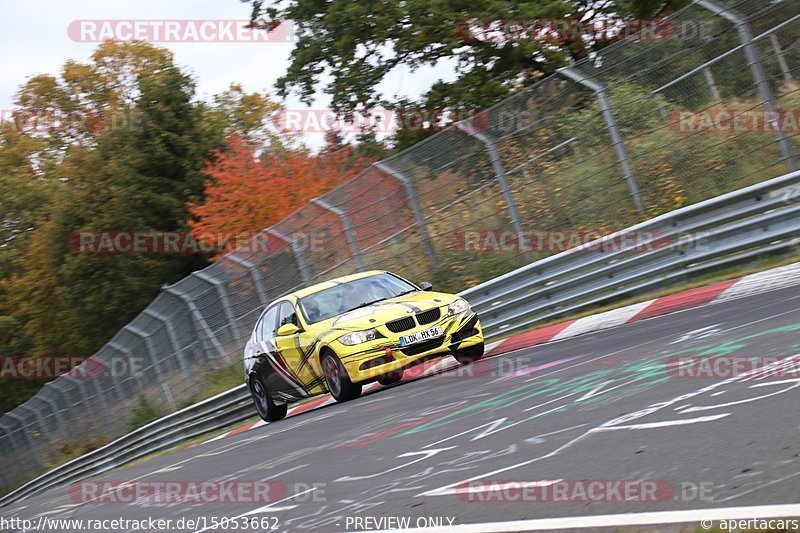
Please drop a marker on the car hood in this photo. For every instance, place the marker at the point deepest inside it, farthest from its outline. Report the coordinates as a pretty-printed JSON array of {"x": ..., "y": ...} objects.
[{"x": 387, "y": 310}]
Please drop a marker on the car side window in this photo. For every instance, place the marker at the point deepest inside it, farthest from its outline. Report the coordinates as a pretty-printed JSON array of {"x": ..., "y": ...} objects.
[
  {"x": 288, "y": 315},
  {"x": 267, "y": 328}
]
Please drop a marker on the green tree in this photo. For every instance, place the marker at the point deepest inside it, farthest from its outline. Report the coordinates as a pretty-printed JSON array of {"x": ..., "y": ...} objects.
[
  {"x": 137, "y": 179},
  {"x": 132, "y": 175},
  {"x": 356, "y": 43}
]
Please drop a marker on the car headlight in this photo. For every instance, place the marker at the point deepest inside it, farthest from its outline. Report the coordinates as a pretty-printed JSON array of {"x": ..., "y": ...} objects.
[
  {"x": 358, "y": 337},
  {"x": 458, "y": 307}
]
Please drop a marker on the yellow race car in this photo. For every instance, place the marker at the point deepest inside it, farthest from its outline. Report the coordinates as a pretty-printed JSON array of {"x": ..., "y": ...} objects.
[{"x": 341, "y": 334}]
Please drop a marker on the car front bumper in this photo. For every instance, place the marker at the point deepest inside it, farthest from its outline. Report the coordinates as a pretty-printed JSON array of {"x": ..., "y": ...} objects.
[{"x": 461, "y": 331}]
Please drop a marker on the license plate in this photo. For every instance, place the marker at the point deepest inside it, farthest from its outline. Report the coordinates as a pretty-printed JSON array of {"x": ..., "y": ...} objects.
[{"x": 421, "y": 336}]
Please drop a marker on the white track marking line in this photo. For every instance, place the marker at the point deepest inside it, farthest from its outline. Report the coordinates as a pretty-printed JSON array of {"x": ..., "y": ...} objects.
[
  {"x": 746, "y": 400},
  {"x": 167, "y": 469},
  {"x": 668, "y": 423},
  {"x": 271, "y": 508},
  {"x": 764, "y": 485},
  {"x": 450, "y": 488},
  {"x": 621, "y": 520},
  {"x": 538, "y": 405},
  {"x": 425, "y": 455},
  {"x": 535, "y": 437},
  {"x": 491, "y": 425}
]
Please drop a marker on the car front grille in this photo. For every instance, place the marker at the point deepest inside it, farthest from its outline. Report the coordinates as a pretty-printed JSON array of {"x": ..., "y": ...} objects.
[
  {"x": 421, "y": 347},
  {"x": 404, "y": 324},
  {"x": 426, "y": 317}
]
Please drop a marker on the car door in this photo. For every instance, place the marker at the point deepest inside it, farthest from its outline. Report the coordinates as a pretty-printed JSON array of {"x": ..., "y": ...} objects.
[
  {"x": 298, "y": 350},
  {"x": 269, "y": 364}
]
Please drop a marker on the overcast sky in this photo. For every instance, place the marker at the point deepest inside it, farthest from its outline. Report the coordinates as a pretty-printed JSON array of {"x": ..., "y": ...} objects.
[{"x": 35, "y": 40}]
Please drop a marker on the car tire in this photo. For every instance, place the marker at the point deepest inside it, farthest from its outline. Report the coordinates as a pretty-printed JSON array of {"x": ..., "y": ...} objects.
[
  {"x": 337, "y": 379},
  {"x": 469, "y": 355},
  {"x": 390, "y": 378},
  {"x": 265, "y": 406}
]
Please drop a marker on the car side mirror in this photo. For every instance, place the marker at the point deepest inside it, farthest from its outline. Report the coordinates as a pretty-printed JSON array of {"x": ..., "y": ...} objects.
[
  {"x": 425, "y": 286},
  {"x": 287, "y": 330}
]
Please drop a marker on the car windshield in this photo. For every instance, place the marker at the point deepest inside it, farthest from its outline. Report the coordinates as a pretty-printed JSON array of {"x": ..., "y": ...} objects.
[{"x": 351, "y": 295}]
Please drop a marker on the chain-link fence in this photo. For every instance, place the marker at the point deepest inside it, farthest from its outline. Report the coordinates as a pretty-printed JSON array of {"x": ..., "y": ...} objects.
[{"x": 706, "y": 105}]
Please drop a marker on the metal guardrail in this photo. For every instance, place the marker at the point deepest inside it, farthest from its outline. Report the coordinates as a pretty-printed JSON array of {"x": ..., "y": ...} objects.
[
  {"x": 720, "y": 231},
  {"x": 758, "y": 219},
  {"x": 214, "y": 413}
]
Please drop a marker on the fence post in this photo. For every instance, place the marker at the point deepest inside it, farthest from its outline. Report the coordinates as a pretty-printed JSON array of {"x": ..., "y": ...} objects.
[
  {"x": 6, "y": 451},
  {"x": 97, "y": 402},
  {"x": 712, "y": 84},
  {"x": 298, "y": 254},
  {"x": 416, "y": 208},
  {"x": 33, "y": 414},
  {"x": 222, "y": 291},
  {"x": 151, "y": 351},
  {"x": 173, "y": 340},
  {"x": 82, "y": 385},
  {"x": 601, "y": 91},
  {"x": 53, "y": 402},
  {"x": 21, "y": 437},
  {"x": 11, "y": 437},
  {"x": 499, "y": 172},
  {"x": 257, "y": 282},
  {"x": 757, "y": 69},
  {"x": 200, "y": 323},
  {"x": 776, "y": 46},
  {"x": 348, "y": 228},
  {"x": 114, "y": 345},
  {"x": 100, "y": 395}
]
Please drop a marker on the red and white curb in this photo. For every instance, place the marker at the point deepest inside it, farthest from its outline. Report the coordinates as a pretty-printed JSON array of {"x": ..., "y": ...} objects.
[{"x": 776, "y": 278}]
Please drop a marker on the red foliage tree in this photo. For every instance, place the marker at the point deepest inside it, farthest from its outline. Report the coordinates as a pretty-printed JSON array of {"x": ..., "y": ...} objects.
[{"x": 246, "y": 193}]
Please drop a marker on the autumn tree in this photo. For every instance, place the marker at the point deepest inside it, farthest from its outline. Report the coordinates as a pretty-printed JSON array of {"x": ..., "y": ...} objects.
[{"x": 246, "y": 191}]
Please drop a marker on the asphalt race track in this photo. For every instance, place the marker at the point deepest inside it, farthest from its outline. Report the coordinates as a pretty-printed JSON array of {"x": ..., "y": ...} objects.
[{"x": 607, "y": 407}]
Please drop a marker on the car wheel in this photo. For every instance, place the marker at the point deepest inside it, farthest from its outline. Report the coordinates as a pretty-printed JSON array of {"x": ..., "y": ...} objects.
[
  {"x": 339, "y": 384},
  {"x": 390, "y": 378},
  {"x": 266, "y": 408},
  {"x": 469, "y": 355}
]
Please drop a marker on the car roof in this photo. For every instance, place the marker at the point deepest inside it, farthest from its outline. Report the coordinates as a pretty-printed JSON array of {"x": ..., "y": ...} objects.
[{"x": 332, "y": 283}]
